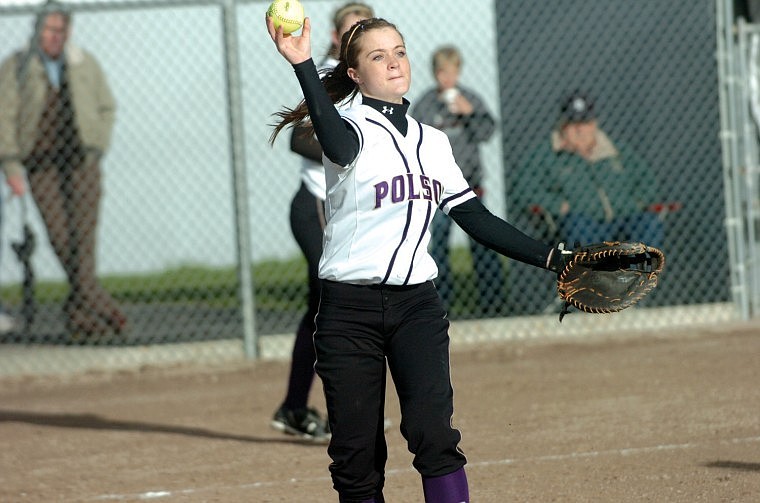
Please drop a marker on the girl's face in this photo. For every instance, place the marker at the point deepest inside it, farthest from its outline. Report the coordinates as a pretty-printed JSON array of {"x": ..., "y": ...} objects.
[{"x": 382, "y": 69}]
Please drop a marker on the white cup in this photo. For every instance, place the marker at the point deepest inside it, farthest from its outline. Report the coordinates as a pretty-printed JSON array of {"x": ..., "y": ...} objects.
[{"x": 449, "y": 95}]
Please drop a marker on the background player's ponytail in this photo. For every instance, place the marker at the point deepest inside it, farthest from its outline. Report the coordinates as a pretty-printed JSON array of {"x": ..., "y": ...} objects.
[{"x": 338, "y": 84}]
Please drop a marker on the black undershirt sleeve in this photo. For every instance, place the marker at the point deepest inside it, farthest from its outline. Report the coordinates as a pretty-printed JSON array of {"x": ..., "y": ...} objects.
[
  {"x": 338, "y": 139},
  {"x": 499, "y": 235}
]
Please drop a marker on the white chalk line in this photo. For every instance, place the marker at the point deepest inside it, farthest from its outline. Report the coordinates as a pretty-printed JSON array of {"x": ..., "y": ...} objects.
[{"x": 628, "y": 451}]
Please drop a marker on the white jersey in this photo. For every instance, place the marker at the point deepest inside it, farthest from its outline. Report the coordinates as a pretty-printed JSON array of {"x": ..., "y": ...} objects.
[
  {"x": 313, "y": 173},
  {"x": 379, "y": 207}
]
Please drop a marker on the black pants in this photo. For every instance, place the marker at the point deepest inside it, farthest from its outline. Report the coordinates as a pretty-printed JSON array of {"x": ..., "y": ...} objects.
[
  {"x": 358, "y": 329},
  {"x": 306, "y": 223}
]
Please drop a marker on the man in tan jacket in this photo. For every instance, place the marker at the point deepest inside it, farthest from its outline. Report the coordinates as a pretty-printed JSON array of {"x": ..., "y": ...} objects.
[{"x": 56, "y": 117}]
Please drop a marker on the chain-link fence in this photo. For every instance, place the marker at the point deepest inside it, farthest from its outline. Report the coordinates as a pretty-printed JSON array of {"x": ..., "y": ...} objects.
[
  {"x": 646, "y": 82},
  {"x": 190, "y": 184}
]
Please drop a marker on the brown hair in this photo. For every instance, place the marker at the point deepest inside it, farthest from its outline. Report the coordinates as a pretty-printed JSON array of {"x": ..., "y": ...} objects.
[
  {"x": 446, "y": 54},
  {"x": 338, "y": 84}
]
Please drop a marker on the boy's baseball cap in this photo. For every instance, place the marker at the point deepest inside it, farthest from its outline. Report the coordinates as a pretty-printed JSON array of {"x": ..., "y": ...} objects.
[{"x": 577, "y": 107}]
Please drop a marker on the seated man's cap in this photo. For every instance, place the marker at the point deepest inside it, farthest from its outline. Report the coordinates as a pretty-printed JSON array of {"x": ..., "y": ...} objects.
[{"x": 577, "y": 107}]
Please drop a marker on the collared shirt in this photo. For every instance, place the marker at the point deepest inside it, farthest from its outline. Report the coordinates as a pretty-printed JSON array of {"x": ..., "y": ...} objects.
[{"x": 53, "y": 69}]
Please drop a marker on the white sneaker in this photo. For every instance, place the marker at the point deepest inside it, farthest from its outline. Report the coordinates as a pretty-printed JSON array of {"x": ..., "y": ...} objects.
[{"x": 7, "y": 323}]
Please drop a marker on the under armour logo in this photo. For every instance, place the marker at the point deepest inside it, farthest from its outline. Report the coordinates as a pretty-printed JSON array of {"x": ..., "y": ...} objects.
[{"x": 387, "y": 110}]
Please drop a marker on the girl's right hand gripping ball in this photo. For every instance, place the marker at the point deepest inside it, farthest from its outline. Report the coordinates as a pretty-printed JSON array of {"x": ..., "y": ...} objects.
[{"x": 286, "y": 13}]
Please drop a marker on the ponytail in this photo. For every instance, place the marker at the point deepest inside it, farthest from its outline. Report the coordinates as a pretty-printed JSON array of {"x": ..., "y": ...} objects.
[{"x": 338, "y": 85}]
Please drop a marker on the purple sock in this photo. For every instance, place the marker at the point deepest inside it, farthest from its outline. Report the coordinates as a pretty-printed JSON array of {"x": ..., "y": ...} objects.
[{"x": 451, "y": 488}]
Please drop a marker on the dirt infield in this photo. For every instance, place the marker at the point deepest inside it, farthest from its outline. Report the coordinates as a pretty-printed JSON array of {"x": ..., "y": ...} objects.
[{"x": 672, "y": 417}]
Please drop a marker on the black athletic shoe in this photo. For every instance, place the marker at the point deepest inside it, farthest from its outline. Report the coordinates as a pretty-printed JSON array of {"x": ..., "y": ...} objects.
[{"x": 304, "y": 423}]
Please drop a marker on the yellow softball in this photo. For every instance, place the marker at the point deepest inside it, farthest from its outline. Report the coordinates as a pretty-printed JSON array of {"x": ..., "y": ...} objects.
[{"x": 286, "y": 13}]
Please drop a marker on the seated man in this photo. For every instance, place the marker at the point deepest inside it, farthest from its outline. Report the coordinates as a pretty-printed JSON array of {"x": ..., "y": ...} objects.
[
  {"x": 578, "y": 186},
  {"x": 591, "y": 188}
]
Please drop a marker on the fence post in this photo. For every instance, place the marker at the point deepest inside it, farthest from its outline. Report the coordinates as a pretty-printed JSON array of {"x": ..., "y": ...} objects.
[
  {"x": 240, "y": 187},
  {"x": 727, "y": 76}
]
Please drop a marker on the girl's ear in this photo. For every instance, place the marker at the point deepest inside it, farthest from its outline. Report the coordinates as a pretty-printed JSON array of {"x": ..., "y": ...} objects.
[{"x": 354, "y": 75}]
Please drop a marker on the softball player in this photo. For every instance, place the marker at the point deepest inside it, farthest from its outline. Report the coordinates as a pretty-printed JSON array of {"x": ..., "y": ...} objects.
[
  {"x": 386, "y": 173},
  {"x": 307, "y": 221}
]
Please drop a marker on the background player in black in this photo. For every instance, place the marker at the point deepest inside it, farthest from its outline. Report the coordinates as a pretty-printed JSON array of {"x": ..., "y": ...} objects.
[
  {"x": 307, "y": 221},
  {"x": 385, "y": 175}
]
